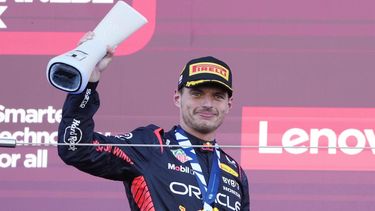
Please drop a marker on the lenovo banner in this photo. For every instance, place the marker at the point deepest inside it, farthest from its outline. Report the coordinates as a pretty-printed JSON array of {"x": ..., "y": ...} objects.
[{"x": 308, "y": 138}]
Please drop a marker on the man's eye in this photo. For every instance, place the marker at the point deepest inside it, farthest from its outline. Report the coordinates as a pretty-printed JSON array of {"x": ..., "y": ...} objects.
[
  {"x": 196, "y": 94},
  {"x": 220, "y": 97}
]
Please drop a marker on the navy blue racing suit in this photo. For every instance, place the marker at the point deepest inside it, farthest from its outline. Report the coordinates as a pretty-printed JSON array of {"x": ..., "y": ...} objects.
[{"x": 155, "y": 178}]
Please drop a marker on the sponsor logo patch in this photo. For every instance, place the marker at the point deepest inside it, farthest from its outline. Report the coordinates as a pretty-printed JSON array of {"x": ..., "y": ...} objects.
[
  {"x": 180, "y": 168},
  {"x": 182, "y": 208},
  {"x": 228, "y": 169},
  {"x": 230, "y": 203},
  {"x": 125, "y": 136},
  {"x": 180, "y": 155},
  {"x": 208, "y": 147},
  {"x": 231, "y": 182},
  {"x": 207, "y": 67},
  {"x": 73, "y": 134},
  {"x": 86, "y": 98}
]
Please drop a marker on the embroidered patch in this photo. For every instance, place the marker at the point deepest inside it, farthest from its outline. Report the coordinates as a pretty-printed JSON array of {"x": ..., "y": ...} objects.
[
  {"x": 180, "y": 155},
  {"x": 228, "y": 169}
]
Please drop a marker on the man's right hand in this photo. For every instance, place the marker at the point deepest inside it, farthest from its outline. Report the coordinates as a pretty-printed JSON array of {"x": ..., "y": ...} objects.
[{"x": 103, "y": 63}]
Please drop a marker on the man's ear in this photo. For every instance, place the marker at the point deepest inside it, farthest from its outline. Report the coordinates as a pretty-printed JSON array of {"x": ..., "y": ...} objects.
[
  {"x": 177, "y": 98},
  {"x": 230, "y": 103}
]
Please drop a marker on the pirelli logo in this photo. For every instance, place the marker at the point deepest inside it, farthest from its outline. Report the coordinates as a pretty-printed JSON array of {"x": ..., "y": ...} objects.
[{"x": 207, "y": 67}]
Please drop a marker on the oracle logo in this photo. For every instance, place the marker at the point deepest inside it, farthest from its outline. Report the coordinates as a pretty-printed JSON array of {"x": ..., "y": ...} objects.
[
  {"x": 308, "y": 138},
  {"x": 18, "y": 38}
]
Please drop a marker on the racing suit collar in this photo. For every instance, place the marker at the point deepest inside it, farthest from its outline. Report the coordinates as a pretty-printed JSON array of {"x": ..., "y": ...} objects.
[{"x": 197, "y": 141}]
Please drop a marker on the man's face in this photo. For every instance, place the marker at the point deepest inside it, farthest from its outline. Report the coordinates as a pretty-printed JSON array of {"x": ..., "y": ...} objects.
[{"x": 202, "y": 108}]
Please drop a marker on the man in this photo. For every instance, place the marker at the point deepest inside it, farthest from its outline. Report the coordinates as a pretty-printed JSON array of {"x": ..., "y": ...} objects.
[{"x": 174, "y": 175}]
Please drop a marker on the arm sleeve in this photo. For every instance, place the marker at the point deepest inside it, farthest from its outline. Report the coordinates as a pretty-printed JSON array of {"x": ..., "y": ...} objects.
[
  {"x": 245, "y": 190},
  {"x": 107, "y": 161}
]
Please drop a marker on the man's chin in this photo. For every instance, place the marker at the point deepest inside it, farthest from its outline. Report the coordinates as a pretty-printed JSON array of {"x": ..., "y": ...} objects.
[{"x": 206, "y": 128}]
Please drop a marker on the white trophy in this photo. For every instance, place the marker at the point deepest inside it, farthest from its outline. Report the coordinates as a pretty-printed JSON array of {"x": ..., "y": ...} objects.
[{"x": 71, "y": 71}]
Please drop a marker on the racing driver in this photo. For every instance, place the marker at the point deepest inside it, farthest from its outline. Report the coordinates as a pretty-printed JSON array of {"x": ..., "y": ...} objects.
[{"x": 172, "y": 173}]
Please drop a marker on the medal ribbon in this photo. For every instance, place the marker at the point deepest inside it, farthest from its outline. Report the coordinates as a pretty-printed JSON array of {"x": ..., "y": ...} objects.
[{"x": 208, "y": 192}]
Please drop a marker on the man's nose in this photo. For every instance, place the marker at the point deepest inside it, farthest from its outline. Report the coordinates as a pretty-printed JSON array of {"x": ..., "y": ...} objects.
[{"x": 207, "y": 102}]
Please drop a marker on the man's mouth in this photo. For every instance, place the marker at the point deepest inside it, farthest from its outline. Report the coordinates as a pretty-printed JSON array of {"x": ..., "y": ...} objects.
[{"x": 206, "y": 114}]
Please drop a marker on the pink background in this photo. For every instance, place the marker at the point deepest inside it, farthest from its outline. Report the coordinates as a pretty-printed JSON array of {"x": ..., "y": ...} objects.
[{"x": 291, "y": 53}]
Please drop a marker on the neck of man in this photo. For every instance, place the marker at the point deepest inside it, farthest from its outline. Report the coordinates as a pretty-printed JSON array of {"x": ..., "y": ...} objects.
[{"x": 203, "y": 136}]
